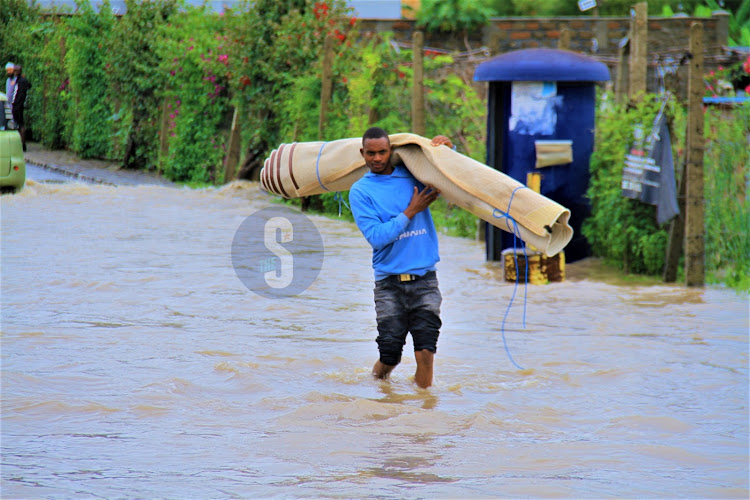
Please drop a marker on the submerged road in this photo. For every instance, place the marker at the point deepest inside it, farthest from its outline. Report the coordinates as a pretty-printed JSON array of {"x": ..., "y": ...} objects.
[{"x": 136, "y": 364}]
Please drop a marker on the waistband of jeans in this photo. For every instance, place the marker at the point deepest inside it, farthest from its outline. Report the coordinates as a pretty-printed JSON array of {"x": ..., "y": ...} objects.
[{"x": 407, "y": 278}]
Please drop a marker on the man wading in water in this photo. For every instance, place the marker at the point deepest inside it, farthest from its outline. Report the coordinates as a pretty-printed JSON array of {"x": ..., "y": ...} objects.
[{"x": 390, "y": 207}]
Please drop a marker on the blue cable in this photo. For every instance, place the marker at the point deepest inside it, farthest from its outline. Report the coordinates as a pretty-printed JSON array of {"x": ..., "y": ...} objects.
[
  {"x": 317, "y": 165},
  {"x": 340, "y": 198},
  {"x": 516, "y": 236}
]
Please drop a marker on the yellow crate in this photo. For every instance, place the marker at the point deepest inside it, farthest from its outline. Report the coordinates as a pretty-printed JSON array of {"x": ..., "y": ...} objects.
[{"x": 542, "y": 269}]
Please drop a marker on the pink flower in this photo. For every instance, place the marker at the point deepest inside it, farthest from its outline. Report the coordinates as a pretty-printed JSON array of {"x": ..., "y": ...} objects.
[
  {"x": 747, "y": 90},
  {"x": 223, "y": 58},
  {"x": 190, "y": 48}
]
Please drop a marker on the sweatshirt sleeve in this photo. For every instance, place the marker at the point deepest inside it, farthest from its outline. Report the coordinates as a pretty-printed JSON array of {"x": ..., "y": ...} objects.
[{"x": 379, "y": 234}]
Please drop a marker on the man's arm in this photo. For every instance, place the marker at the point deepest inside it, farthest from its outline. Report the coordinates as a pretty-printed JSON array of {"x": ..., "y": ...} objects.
[{"x": 379, "y": 234}]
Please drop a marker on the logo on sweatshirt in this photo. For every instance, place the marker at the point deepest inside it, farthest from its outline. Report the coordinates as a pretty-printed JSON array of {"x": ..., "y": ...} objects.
[
  {"x": 414, "y": 232},
  {"x": 277, "y": 252}
]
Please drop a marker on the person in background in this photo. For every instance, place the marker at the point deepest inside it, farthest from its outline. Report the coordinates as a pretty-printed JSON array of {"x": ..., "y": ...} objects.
[
  {"x": 11, "y": 81},
  {"x": 18, "y": 101},
  {"x": 391, "y": 209}
]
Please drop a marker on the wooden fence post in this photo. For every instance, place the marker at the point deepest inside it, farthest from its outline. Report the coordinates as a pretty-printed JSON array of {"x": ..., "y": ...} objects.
[
  {"x": 695, "y": 252},
  {"x": 232, "y": 158},
  {"x": 639, "y": 51},
  {"x": 564, "y": 41},
  {"x": 623, "y": 76},
  {"x": 417, "y": 100},
  {"x": 676, "y": 233},
  {"x": 326, "y": 89}
]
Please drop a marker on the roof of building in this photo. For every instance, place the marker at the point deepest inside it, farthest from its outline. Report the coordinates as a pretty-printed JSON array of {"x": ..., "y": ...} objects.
[{"x": 542, "y": 65}]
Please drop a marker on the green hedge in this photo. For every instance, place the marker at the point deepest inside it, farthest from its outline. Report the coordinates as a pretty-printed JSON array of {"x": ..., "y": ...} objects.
[{"x": 624, "y": 231}]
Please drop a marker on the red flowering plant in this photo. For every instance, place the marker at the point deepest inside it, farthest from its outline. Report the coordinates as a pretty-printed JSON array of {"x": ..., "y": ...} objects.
[
  {"x": 196, "y": 64},
  {"x": 273, "y": 45},
  {"x": 727, "y": 80}
]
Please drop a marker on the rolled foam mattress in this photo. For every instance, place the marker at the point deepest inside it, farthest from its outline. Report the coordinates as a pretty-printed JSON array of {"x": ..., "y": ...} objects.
[{"x": 307, "y": 168}]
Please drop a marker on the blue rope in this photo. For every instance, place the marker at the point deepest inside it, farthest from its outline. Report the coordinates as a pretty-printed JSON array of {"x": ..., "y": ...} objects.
[
  {"x": 516, "y": 236},
  {"x": 317, "y": 165},
  {"x": 340, "y": 198}
]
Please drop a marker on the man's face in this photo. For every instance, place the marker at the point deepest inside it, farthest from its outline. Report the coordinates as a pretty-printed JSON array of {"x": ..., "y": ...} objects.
[
  {"x": 9, "y": 71},
  {"x": 377, "y": 155}
]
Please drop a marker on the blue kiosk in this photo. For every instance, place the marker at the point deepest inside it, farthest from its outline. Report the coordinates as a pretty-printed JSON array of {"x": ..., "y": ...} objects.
[{"x": 540, "y": 118}]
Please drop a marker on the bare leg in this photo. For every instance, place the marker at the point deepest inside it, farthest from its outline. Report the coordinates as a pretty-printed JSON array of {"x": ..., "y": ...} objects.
[
  {"x": 381, "y": 370},
  {"x": 423, "y": 377}
]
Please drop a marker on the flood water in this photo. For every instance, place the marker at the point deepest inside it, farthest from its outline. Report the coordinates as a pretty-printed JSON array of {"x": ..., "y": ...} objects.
[{"x": 135, "y": 364}]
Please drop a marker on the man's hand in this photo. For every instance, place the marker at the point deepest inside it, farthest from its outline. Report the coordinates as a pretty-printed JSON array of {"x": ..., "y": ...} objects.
[
  {"x": 441, "y": 139},
  {"x": 421, "y": 200}
]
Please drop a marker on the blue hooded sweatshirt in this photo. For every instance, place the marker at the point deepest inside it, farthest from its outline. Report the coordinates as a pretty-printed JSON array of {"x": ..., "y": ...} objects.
[{"x": 399, "y": 245}]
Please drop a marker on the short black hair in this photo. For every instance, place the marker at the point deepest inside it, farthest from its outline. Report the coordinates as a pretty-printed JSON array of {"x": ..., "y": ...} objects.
[{"x": 374, "y": 133}]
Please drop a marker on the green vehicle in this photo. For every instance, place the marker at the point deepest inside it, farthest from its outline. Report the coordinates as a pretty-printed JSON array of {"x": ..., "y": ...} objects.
[{"x": 12, "y": 163}]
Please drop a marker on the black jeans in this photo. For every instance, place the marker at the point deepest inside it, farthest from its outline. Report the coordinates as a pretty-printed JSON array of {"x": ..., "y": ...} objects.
[{"x": 407, "y": 307}]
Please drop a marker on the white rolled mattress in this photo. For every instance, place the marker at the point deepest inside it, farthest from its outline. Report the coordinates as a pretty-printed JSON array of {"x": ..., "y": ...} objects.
[{"x": 307, "y": 168}]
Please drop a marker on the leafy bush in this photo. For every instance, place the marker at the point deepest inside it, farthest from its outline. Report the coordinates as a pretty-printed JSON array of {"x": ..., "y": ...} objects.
[
  {"x": 457, "y": 16},
  {"x": 622, "y": 230},
  {"x": 195, "y": 65},
  {"x": 87, "y": 45},
  {"x": 274, "y": 45},
  {"x": 727, "y": 180},
  {"x": 137, "y": 85}
]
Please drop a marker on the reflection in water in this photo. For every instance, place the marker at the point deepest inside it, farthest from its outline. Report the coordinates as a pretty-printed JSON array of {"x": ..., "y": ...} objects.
[{"x": 136, "y": 364}]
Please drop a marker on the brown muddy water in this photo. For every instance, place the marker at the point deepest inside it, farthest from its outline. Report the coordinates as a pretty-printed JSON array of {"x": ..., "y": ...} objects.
[{"x": 135, "y": 364}]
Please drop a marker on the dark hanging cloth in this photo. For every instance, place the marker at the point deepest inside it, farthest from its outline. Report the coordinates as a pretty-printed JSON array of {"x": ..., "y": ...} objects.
[{"x": 648, "y": 175}]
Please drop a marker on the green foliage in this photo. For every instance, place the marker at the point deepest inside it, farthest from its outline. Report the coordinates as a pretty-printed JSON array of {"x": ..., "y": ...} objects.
[
  {"x": 454, "y": 16},
  {"x": 622, "y": 230},
  {"x": 739, "y": 22},
  {"x": 453, "y": 108},
  {"x": 727, "y": 209},
  {"x": 137, "y": 85},
  {"x": 22, "y": 41},
  {"x": 87, "y": 44},
  {"x": 16, "y": 17},
  {"x": 47, "y": 100},
  {"x": 274, "y": 44},
  {"x": 545, "y": 8},
  {"x": 452, "y": 220},
  {"x": 195, "y": 64}
]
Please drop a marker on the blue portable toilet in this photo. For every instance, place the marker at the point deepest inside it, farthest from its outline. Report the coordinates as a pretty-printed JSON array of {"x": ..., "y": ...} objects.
[{"x": 541, "y": 110}]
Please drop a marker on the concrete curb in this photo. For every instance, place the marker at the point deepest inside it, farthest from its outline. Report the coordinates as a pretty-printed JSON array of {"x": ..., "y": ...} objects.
[
  {"x": 68, "y": 172},
  {"x": 91, "y": 170}
]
